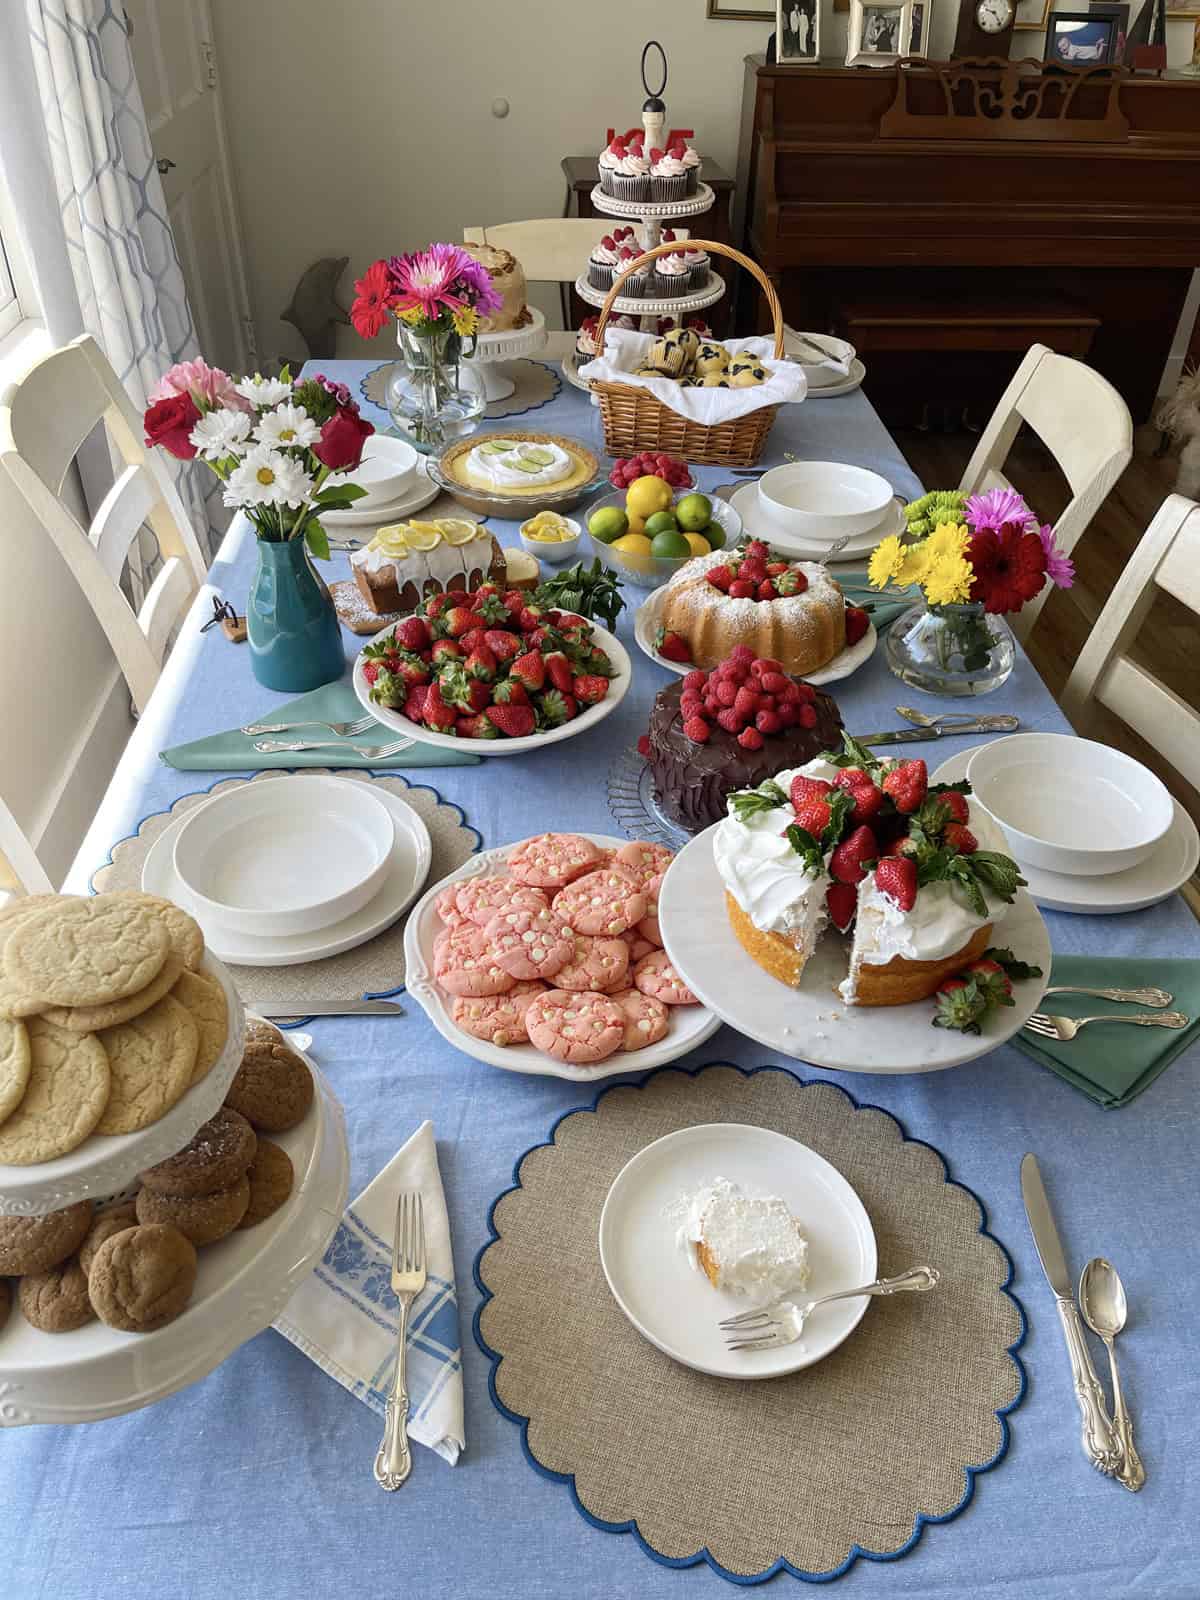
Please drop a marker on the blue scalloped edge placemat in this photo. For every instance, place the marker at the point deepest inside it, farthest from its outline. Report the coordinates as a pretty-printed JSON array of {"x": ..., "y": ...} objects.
[{"x": 781, "y": 1565}]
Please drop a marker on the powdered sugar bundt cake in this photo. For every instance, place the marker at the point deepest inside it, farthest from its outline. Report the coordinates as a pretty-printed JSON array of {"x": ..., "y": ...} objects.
[{"x": 792, "y": 612}]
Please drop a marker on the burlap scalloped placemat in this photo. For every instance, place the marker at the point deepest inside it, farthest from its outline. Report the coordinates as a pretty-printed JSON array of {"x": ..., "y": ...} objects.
[
  {"x": 536, "y": 385},
  {"x": 374, "y": 968},
  {"x": 805, "y": 1472}
]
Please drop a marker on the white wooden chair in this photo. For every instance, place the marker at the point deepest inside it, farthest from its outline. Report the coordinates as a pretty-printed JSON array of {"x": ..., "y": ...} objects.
[
  {"x": 1085, "y": 425},
  {"x": 44, "y": 419},
  {"x": 1167, "y": 558}
]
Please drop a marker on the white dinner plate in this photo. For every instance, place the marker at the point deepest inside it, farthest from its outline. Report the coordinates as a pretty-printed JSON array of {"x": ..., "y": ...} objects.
[
  {"x": 618, "y": 687},
  {"x": 1167, "y": 868},
  {"x": 746, "y": 503},
  {"x": 671, "y": 1302},
  {"x": 646, "y": 623},
  {"x": 407, "y": 871},
  {"x": 846, "y": 385},
  {"x": 812, "y": 1022},
  {"x": 415, "y": 498},
  {"x": 689, "y": 1025}
]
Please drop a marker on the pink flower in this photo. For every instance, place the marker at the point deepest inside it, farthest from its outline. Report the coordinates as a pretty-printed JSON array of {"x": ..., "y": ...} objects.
[
  {"x": 442, "y": 278},
  {"x": 208, "y": 386},
  {"x": 997, "y": 508},
  {"x": 1060, "y": 569}
]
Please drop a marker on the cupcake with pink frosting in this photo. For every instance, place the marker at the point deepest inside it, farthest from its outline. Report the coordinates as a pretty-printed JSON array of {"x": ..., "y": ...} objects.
[
  {"x": 638, "y": 281},
  {"x": 602, "y": 262},
  {"x": 586, "y": 345},
  {"x": 672, "y": 275},
  {"x": 691, "y": 163},
  {"x": 698, "y": 262}
]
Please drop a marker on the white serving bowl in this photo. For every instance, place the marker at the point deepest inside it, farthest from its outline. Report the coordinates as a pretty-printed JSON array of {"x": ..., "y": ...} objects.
[
  {"x": 284, "y": 857},
  {"x": 552, "y": 551},
  {"x": 1069, "y": 805},
  {"x": 821, "y": 501},
  {"x": 386, "y": 471}
]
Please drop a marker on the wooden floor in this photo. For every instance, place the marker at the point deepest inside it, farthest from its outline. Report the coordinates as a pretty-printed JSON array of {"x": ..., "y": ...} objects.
[{"x": 1169, "y": 645}]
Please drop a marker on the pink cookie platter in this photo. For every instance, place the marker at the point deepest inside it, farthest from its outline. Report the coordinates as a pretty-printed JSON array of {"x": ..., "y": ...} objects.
[{"x": 524, "y": 944}]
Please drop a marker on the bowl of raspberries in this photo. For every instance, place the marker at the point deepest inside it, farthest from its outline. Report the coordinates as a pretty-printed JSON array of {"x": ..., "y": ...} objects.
[
  {"x": 650, "y": 464},
  {"x": 491, "y": 671}
]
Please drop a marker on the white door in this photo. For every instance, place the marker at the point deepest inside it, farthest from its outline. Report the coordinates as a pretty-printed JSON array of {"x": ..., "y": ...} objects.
[{"x": 174, "y": 57}]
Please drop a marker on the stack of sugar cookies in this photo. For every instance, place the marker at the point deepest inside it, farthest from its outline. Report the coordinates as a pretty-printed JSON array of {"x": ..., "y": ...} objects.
[{"x": 106, "y": 1020}]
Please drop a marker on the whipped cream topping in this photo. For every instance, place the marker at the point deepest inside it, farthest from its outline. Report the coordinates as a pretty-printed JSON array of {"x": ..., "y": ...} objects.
[
  {"x": 605, "y": 255},
  {"x": 632, "y": 165},
  {"x": 754, "y": 1239},
  {"x": 499, "y": 467},
  {"x": 765, "y": 875},
  {"x": 689, "y": 157},
  {"x": 669, "y": 166},
  {"x": 672, "y": 265}
]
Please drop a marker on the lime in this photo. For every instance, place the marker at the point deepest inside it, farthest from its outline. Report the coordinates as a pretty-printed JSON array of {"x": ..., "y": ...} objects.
[
  {"x": 607, "y": 524},
  {"x": 715, "y": 534},
  {"x": 694, "y": 512},
  {"x": 698, "y": 544},
  {"x": 670, "y": 543},
  {"x": 660, "y": 522}
]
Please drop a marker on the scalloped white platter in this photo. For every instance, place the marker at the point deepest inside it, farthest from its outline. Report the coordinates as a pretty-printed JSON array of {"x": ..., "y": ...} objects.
[
  {"x": 690, "y": 1025},
  {"x": 104, "y": 1164},
  {"x": 243, "y": 1283}
]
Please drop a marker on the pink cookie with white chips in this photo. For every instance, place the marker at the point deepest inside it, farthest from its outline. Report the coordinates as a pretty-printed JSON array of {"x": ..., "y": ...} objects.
[
  {"x": 479, "y": 899},
  {"x": 552, "y": 860},
  {"x": 647, "y": 863},
  {"x": 649, "y": 930},
  {"x": 530, "y": 944},
  {"x": 646, "y": 1019},
  {"x": 596, "y": 964},
  {"x": 606, "y": 902},
  {"x": 497, "y": 1018},
  {"x": 581, "y": 1028},
  {"x": 654, "y": 975},
  {"x": 464, "y": 963}
]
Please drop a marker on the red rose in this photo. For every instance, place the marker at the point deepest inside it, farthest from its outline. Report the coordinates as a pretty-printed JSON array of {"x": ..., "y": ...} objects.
[
  {"x": 342, "y": 439},
  {"x": 169, "y": 422}
]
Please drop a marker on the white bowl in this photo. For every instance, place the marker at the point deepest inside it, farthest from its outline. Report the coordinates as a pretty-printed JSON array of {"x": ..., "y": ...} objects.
[
  {"x": 1069, "y": 805},
  {"x": 553, "y": 551},
  {"x": 386, "y": 471},
  {"x": 284, "y": 857},
  {"x": 820, "y": 501}
]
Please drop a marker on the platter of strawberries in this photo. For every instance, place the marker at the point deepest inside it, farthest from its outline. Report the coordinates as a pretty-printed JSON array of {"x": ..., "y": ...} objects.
[
  {"x": 545, "y": 957},
  {"x": 492, "y": 670}
]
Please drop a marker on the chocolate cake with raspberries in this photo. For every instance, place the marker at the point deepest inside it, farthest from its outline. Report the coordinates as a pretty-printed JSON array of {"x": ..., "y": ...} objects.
[{"x": 712, "y": 733}]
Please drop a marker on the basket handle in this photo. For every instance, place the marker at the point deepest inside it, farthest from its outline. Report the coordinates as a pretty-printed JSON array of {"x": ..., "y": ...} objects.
[{"x": 713, "y": 248}]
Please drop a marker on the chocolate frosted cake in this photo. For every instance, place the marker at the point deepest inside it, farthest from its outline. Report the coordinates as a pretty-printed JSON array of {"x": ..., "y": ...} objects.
[{"x": 692, "y": 778}]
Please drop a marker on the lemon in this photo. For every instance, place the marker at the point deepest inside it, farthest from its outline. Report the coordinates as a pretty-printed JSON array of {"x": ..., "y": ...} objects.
[
  {"x": 633, "y": 544},
  {"x": 423, "y": 535},
  {"x": 698, "y": 544},
  {"x": 636, "y": 525},
  {"x": 456, "y": 530},
  {"x": 547, "y": 527},
  {"x": 694, "y": 512},
  {"x": 608, "y": 524},
  {"x": 392, "y": 541},
  {"x": 647, "y": 495}
]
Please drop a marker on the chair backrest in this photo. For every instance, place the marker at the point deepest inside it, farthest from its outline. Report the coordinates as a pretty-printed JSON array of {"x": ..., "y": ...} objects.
[
  {"x": 44, "y": 419},
  {"x": 1167, "y": 558},
  {"x": 1082, "y": 421},
  {"x": 550, "y": 249}
]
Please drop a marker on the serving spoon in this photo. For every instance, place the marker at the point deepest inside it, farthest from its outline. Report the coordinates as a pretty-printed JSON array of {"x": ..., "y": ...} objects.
[{"x": 1102, "y": 1301}]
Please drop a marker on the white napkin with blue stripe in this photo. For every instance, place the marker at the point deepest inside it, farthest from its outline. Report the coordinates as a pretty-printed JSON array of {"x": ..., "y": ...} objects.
[{"x": 344, "y": 1316}]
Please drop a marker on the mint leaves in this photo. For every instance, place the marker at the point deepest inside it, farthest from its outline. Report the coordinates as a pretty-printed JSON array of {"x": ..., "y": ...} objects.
[
  {"x": 749, "y": 803},
  {"x": 1016, "y": 970},
  {"x": 807, "y": 848},
  {"x": 852, "y": 754}
]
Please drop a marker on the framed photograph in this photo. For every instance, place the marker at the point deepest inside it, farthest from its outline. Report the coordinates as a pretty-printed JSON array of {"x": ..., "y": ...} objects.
[
  {"x": 1120, "y": 13},
  {"x": 877, "y": 32},
  {"x": 1032, "y": 15},
  {"x": 721, "y": 11},
  {"x": 797, "y": 32},
  {"x": 920, "y": 15},
  {"x": 1081, "y": 38},
  {"x": 1183, "y": 8}
]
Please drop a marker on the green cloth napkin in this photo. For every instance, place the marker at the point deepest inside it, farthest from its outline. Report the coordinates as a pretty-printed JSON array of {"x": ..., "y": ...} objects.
[
  {"x": 334, "y": 702},
  {"x": 1113, "y": 1065},
  {"x": 859, "y": 592}
]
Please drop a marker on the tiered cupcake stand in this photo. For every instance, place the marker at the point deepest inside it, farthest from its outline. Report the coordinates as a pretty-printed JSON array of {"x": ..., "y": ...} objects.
[
  {"x": 651, "y": 215},
  {"x": 243, "y": 1282}
]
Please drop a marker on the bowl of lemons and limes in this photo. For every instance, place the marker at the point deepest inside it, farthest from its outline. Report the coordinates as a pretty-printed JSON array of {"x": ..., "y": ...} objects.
[{"x": 648, "y": 531}]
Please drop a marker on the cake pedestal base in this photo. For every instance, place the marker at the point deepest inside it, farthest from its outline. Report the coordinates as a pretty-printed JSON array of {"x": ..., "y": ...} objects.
[{"x": 492, "y": 349}]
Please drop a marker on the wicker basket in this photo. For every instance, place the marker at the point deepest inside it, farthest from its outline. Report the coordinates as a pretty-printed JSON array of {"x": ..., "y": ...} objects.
[{"x": 634, "y": 419}]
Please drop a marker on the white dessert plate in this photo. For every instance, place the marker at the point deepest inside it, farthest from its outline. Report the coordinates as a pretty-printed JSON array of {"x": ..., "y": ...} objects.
[
  {"x": 846, "y": 385},
  {"x": 1167, "y": 868},
  {"x": 104, "y": 1164},
  {"x": 291, "y": 856},
  {"x": 385, "y": 471},
  {"x": 618, "y": 687},
  {"x": 646, "y": 621},
  {"x": 243, "y": 1283},
  {"x": 690, "y": 1025},
  {"x": 415, "y": 497},
  {"x": 798, "y": 347},
  {"x": 745, "y": 502},
  {"x": 407, "y": 869},
  {"x": 652, "y": 1274},
  {"x": 812, "y": 1022}
]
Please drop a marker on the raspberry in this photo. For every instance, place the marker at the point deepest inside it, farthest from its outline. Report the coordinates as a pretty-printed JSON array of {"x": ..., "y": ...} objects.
[
  {"x": 730, "y": 721},
  {"x": 643, "y": 746},
  {"x": 750, "y": 739},
  {"x": 695, "y": 679},
  {"x": 690, "y": 703},
  {"x": 768, "y": 722},
  {"x": 727, "y": 692},
  {"x": 745, "y": 703},
  {"x": 742, "y": 652},
  {"x": 806, "y": 692},
  {"x": 786, "y": 713},
  {"x": 697, "y": 729},
  {"x": 767, "y": 702},
  {"x": 773, "y": 682},
  {"x": 807, "y": 716},
  {"x": 768, "y": 664}
]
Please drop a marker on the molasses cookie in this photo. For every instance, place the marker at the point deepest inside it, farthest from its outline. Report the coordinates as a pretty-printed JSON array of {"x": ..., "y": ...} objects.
[
  {"x": 202, "y": 1218},
  {"x": 260, "y": 1032},
  {"x": 143, "y": 1278},
  {"x": 273, "y": 1089},
  {"x": 105, "y": 1224},
  {"x": 56, "y": 1301},
  {"x": 5, "y": 1300},
  {"x": 218, "y": 1155},
  {"x": 271, "y": 1181},
  {"x": 35, "y": 1244}
]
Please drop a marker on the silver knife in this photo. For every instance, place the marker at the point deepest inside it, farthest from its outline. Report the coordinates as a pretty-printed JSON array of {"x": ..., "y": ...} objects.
[
  {"x": 327, "y": 1008},
  {"x": 1100, "y": 1443},
  {"x": 993, "y": 724}
]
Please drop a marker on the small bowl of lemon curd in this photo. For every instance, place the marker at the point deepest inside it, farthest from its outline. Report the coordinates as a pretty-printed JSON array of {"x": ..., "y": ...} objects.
[{"x": 550, "y": 537}]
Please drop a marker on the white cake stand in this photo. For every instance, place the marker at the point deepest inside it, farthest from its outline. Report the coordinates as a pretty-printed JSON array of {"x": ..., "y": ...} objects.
[
  {"x": 509, "y": 345},
  {"x": 652, "y": 214},
  {"x": 652, "y": 306}
]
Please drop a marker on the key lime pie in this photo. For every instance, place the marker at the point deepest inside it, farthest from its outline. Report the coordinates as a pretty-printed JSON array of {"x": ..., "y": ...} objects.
[
  {"x": 495, "y": 474},
  {"x": 407, "y": 561},
  {"x": 869, "y": 848}
]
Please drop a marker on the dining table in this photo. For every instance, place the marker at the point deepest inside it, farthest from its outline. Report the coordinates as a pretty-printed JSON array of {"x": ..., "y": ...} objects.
[{"x": 257, "y": 1480}]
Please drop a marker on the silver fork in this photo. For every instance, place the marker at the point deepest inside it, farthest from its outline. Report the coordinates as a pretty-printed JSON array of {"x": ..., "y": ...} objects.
[
  {"x": 359, "y": 725},
  {"x": 1065, "y": 1028},
  {"x": 1000, "y": 721},
  {"x": 767, "y": 1327},
  {"x": 1137, "y": 997},
  {"x": 393, "y": 1462},
  {"x": 274, "y": 747}
]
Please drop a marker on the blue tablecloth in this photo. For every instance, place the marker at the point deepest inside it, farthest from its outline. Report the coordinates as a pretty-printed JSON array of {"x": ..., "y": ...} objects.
[{"x": 257, "y": 1481}]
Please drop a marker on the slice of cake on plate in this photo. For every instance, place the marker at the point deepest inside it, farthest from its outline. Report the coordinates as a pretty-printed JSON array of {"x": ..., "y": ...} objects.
[{"x": 746, "y": 1244}]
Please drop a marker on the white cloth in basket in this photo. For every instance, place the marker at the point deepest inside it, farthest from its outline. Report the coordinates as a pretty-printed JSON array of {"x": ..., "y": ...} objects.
[{"x": 624, "y": 350}]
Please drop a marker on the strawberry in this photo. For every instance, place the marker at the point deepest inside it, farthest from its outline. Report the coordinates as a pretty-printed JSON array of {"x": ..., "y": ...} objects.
[
  {"x": 774, "y": 568},
  {"x": 529, "y": 618},
  {"x": 555, "y": 708},
  {"x": 906, "y": 783},
  {"x": 896, "y": 876},
  {"x": 643, "y": 746},
  {"x": 515, "y": 722},
  {"x": 955, "y": 804},
  {"x": 697, "y": 729},
  {"x": 841, "y": 901},
  {"x": 503, "y": 645},
  {"x": 529, "y": 670},
  {"x": 767, "y": 590},
  {"x": 446, "y": 650},
  {"x": 413, "y": 633},
  {"x": 412, "y": 669},
  {"x": 481, "y": 663},
  {"x": 730, "y": 721},
  {"x": 741, "y": 589},
  {"x": 459, "y": 619},
  {"x": 750, "y": 739},
  {"x": 757, "y": 550},
  {"x": 868, "y": 800},
  {"x": 671, "y": 646},
  {"x": 807, "y": 788},
  {"x": 773, "y": 682},
  {"x": 473, "y": 640},
  {"x": 389, "y": 690},
  {"x": 960, "y": 838},
  {"x": 436, "y": 604},
  {"x": 720, "y": 577},
  {"x": 991, "y": 979},
  {"x": 475, "y": 727},
  {"x": 959, "y": 1005},
  {"x": 590, "y": 689},
  {"x": 727, "y": 691},
  {"x": 515, "y": 601},
  {"x": 414, "y": 706},
  {"x": 846, "y": 862},
  {"x": 510, "y": 692},
  {"x": 558, "y": 670},
  {"x": 791, "y": 582},
  {"x": 459, "y": 597},
  {"x": 813, "y": 815},
  {"x": 768, "y": 723},
  {"x": 857, "y": 623},
  {"x": 371, "y": 670},
  {"x": 752, "y": 572},
  {"x": 436, "y": 713},
  {"x": 695, "y": 680}
]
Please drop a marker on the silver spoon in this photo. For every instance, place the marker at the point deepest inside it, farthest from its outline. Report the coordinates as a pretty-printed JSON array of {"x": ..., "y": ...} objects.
[{"x": 1102, "y": 1301}]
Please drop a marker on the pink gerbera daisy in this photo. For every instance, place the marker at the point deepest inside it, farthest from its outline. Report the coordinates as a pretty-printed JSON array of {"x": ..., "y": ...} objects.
[
  {"x": 443, "y": 278},
  {"x": 998, "y": 508},
  {"x": 1060, "y": 569}
]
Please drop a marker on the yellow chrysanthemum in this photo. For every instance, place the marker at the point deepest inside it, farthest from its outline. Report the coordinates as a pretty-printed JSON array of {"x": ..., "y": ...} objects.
[
  {"x": 948, "y": 580},
  {"x": 465, "y": 321},
  {"x": 410, "y": 314},
  {"x": 947, "y": 539},
  {"x": 886, "y": 560},
  {"x": 915, "y": 564}
]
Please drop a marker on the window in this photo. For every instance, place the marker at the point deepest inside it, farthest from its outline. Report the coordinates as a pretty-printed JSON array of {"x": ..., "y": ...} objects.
[
  {"x": 18, "y": 300},
  {"x": 10, "y": 306}
]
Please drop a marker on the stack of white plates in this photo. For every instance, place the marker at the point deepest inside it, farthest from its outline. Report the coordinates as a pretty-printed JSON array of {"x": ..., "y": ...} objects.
[
  {"x": 293, "y": 868},
  {"x": 826, "y": 379},
  {"x": 394, "y": 476},
  {"x": 807, "y": 507}
]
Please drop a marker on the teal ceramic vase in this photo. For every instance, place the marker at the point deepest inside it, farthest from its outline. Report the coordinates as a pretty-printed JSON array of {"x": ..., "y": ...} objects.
[{"x": 295, "y": 636}]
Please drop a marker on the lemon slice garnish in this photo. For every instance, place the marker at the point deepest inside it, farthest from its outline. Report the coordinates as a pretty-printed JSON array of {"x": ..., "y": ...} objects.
[
  {"x": 424, "y": 535},
  {"x": 457, "y": 530},
  {"x": 392, "y": 541}
]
